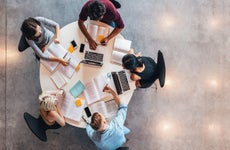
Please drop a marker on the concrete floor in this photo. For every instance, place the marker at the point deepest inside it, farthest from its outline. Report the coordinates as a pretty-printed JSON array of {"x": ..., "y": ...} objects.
[{"x": 190, "y": 113}]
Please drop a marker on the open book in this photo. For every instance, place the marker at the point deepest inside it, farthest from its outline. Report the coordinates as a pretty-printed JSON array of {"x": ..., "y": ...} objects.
[
  {"x": 107, "y": 107},
  {"x": 69, "y": 108},
  {"x": 54, "y": 50},
  {"x": 94, "y": 89},
  {"x": 69, "y": 70},
  {"x": 97, "y": 32},
  {"x": 121, "y": 48}
]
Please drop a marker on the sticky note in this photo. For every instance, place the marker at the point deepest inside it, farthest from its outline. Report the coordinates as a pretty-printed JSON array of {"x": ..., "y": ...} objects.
[
  {"x": 71, "y": 49},
  {"x": 78, "y": 102},
  {"x": 77, "y": 67}
]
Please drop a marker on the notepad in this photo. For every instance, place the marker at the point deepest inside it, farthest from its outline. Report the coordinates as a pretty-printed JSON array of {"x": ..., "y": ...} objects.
[
  {"x": 58, "y": 79},
  {"x": 121, "y": 48},
  {"x": 77, "y": 89}
]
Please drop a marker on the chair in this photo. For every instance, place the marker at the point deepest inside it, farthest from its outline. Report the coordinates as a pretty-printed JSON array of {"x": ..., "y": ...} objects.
[
  {"x": 35, "y": 125},
  {"x": 161, "y": 71},
  {"x": 123, "y": 148},
  {"x": 22, "y": 45}
]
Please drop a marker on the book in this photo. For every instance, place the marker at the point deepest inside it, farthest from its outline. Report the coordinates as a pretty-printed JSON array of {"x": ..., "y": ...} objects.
[
  {"x": 106, "y": 107},
  {"x": 121, "y": 48},
  {"x": 97, "y": 32},
  {"x": 69, "y": 109},
  {"x": 54, "y": 50},
  {"x": 58, "y": 79},
  {"x": 69, "y": 70},
  {"x": 94, "y": 89},
  {"x": 77, "y": 89}
]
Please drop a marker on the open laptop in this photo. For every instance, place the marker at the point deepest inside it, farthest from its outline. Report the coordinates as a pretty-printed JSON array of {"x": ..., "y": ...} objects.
[
  {"x": 93, "y": 57},
  {"x": 121, "y": 82}
]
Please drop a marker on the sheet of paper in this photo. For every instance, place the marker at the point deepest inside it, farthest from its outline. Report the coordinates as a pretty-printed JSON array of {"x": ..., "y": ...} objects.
[{"x": 58, "y": 79}]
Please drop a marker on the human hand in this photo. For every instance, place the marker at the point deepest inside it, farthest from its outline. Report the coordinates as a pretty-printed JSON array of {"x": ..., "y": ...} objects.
[
  {"x": 92, "y": 44},
  {"x": 131, "y": 51},
  {"x": 104, "y": 41},
  {"x": 56, "y": 40},
  {"x": 134, "y": 77},
  {"x": 64, "y": 62},
  {"x": 107, "y": 89}
]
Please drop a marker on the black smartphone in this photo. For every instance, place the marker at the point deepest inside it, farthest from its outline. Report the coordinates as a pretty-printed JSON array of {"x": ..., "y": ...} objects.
[
  {"x": 74, "y": 44},
  {"x": 82, "y": 48},
  {"x": 87, "y": 111}
]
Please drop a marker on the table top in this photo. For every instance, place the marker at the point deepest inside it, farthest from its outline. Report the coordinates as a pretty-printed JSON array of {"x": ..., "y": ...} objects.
[{"x": 86, "y": 72}]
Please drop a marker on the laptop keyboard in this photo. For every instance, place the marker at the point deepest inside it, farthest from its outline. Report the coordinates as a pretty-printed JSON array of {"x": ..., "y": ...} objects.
[
  {"x": 124, "y": 80},
  {"x": 120, "y": 81},
  {"x": 93, "y": 56},
  {"x": 117, "y": 83}
]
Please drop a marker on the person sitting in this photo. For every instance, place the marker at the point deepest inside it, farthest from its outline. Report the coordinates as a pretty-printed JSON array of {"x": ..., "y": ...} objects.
[
  {"x": 104, "y": 11},
  {"x": 38, "y": 36},
  {"x": 109, "y": 135},
  {"x": 49, "y": 112},
  {"x": 143, "y": 69}
]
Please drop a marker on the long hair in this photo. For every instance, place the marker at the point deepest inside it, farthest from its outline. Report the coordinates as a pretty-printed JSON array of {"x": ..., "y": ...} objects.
[
  {"x": 47, "y": 102},
  {"x": 28, "y": 28},
  {"x": 131, "y": 62}
]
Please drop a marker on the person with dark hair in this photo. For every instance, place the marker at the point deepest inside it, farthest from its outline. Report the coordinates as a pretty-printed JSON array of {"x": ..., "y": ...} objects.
[
  {"x": 143, "y": 69},
  {"x": 38, "y": 36},
  {"x": 104, "y": 11},
  {"x": 109, "y": 135}
]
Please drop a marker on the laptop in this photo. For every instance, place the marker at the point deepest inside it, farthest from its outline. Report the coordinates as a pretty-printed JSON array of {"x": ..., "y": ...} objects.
[
  {"x": 121, "y": 82},
  {"x": 93, "y": 57}
]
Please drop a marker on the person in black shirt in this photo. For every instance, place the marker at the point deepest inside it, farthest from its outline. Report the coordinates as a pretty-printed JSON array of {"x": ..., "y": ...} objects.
[{"x": 142, "y": 68}]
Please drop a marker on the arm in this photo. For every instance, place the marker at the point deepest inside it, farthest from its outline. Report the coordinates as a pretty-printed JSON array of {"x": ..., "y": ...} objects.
[
  {"x": 52, "y": 24},
  {"x": 58, "y": 117},
  {"x": 111, "y": 35},
  {"x": 111, "y": 91},
  {"x": 92, "y": 43},
  {"x": 89, "y": 130}
]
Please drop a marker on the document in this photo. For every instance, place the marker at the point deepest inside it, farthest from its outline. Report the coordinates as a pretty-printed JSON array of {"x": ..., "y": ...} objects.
[
  {"x": 58, "y": 79},
  {"x": 94, "y": 89},
  {"x": 54, "y": 50},
  {"x": 77, "y": 89},
  {"x": 107, "y": 107},
  {"x": 121, "y": 48},
  {"x": 97, "y": 32},
  {"x": 69, "y": 70},
  {"x": 69, "y": 108}
]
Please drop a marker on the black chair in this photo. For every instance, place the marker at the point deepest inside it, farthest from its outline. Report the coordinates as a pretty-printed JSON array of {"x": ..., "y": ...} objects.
[
  {"x": 116, "y": 4},
  {"x": 22, "y": 45},
  {"x": 123, "y": 148},
  {"x": 161, "y": 71},
  {"x": 35, "y": 125}
]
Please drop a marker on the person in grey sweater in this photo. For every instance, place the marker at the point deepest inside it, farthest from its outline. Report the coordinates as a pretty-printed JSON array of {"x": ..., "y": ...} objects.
[{"x": 38, "y": 36}]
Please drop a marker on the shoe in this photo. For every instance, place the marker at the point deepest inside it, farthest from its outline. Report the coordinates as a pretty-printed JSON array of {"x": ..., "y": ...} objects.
[{"x": 116, "y": 3}]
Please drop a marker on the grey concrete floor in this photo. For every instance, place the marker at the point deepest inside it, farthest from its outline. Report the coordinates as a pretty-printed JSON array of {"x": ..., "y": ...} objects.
[{"x": 190, "y": 113}]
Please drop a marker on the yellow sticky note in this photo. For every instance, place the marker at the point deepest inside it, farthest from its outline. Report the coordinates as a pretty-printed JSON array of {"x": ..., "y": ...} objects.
[
  {"x": 100, "y": 37},
  {"x": 77, "y": 67},
  {"x": 78, "y": 102},
  {"x": 71, "y": 49}
]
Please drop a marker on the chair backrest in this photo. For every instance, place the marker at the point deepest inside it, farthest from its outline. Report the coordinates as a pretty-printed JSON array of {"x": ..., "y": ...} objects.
[
  {"x": 34, "y": 125},
  {"x": 22, "y": 45},
  {"x": 161, "y": 71}
]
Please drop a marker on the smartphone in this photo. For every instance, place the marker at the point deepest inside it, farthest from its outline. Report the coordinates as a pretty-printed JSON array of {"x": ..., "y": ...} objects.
[
  {"x": 74, "y": 44},
  {"x": 82, "y": 46},
  {"x": 87, "y": 111}
]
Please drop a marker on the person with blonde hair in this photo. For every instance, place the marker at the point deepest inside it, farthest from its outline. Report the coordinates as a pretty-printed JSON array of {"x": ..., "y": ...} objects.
[{"x": 49, "y": 112}]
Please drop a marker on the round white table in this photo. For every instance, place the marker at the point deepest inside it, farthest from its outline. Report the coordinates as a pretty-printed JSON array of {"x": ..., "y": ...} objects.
[{"x": 86, "y": 72}]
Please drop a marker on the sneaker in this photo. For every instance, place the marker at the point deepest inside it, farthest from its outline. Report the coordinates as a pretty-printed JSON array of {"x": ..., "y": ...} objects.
[{"x": 116, "y": 3}]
